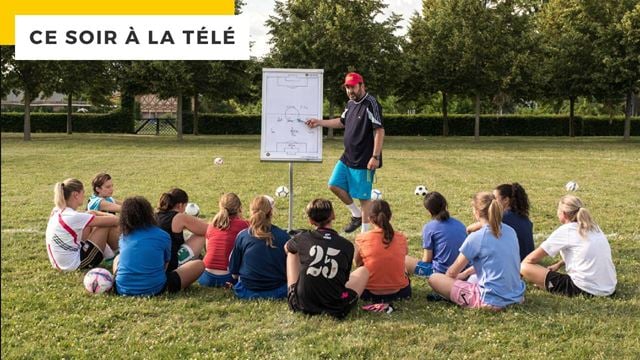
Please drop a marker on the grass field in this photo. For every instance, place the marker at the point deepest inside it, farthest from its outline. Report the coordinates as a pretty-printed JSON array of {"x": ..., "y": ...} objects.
[{"x": 46, "y": 314}]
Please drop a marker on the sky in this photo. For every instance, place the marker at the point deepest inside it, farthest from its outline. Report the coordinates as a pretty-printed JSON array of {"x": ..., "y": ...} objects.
[{"x": 260, "y": 10}]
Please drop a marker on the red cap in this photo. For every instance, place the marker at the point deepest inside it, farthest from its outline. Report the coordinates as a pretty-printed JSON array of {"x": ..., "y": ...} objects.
[{"x": 353, "y": 79}]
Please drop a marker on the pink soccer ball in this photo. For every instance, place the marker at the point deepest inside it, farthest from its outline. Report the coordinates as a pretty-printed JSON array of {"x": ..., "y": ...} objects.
[{"x": 98, "y": 281}]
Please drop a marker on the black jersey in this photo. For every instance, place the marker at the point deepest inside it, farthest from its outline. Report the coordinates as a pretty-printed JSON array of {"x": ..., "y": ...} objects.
[
  {"x": 360, "y": 119},
  {"x": 165, "y": 219},
  {"x": 325, "y": 265}
]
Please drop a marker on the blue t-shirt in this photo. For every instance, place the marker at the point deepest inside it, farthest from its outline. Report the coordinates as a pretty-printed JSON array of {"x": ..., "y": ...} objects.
[
  {"x": 444, "y": 238},
  {"x": 260, "y": 267},
  {"x": 143, "y": 255},
  {"x": 94, "y": 202},
  {"x": 524, "y": 229},
  {"x": 497, "y": 265}
]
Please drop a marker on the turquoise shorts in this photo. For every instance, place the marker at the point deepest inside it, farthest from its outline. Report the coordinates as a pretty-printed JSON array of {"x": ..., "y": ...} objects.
[{"x": 357, "y": 182}]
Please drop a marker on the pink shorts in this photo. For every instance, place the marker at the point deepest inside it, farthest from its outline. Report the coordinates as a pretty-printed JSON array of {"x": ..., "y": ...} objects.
[{"x": 467, "y": 295}]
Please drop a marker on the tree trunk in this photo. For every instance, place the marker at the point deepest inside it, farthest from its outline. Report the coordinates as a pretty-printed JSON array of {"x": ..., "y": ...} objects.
[
  {"x": 445, "y": 114},
  {"x": 179, "y": 116},
  {"x": 627, "y": 116},
  {"x": 196, "y": 106},
  {"x": 27, "y": 115},
  {"x": 476, "y": 130},
  {"x": 69, "y": 110},
  {"x": 330, "y": 130},
  {"x": 572, "y": 103}
]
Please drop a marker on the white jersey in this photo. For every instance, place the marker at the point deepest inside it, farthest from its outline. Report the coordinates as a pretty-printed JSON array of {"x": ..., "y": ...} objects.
[
  {"x": 64, "y": 237},
  {"x": 587, "y": 260}
]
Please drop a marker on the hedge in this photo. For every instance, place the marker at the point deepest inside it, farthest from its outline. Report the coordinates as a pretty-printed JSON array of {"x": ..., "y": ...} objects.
[
  {"x": 425, "y": 125},
  {"x": 114, "y": 122}
]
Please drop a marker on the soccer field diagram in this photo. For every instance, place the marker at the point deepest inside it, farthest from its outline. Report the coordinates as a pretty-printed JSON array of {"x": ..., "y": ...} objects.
[{"x": 290, "y": 98}]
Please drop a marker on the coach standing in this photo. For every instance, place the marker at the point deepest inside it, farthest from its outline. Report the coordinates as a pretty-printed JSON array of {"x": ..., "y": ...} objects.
[{"x": 353, "y": 175}]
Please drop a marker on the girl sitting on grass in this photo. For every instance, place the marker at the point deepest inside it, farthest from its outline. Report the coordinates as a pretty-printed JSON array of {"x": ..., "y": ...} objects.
[
  {"x": 382, "y": 251},
  {"x": 493, "y": 254},
  {"x": 102, "y": 197},
  {"x": 220, "y": 237},
  {"x": 585, "y": 253},
  {"x": 258, "y": 259},
  {"x": 172, "y": 219},
  {"x": 77, "y": 240},
  {"x": 145, "y": 251},
  {"x": 441, "y": 238}
]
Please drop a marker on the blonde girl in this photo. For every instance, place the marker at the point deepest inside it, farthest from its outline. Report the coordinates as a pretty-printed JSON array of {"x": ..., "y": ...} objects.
[
  {"x": 258, "y": 258},
  {"x": 585, "y": 252},
  {"x": 77, "y": 240},
  {"x": 493, "y": 254},
  {"x": 220, "y": 238}
]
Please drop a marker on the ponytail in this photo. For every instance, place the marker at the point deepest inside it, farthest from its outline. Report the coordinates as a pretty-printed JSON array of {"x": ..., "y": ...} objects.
[
  {"x": 436, "y": 204},
  {"x": 62, "y": 191},
  {"x": 518, "y": 199},
  {"x": 381, "y": 217},
  {"x": 260, "y": 220},
  {"x": 172, "y": 198},
  {"x": 229, "y": 205},
  {"x": 489, "y": 208},
  {"x": 575, "y": 211}
]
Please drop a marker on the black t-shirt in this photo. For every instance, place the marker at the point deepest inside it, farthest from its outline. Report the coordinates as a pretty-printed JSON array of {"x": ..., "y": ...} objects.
[
  {"x": 325, "y": 264},
  {"x": 165, "y": 219},
  {"x": 360, "y": 119}
]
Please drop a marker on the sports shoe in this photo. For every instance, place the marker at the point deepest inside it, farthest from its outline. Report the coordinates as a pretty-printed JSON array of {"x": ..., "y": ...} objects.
[
  {"x": 355, "y": 223},
  {"x": 184, "y": 254}
]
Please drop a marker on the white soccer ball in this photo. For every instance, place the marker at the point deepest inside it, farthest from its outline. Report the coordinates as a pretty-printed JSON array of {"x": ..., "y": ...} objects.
[
  {"x": 98, "y": 281},
  {"x": 421, "y": 190},
  {"x": 376, "y": 194},
  {"x": 218, "y": 161},
  {"x": 192, "y": 209},
  {"x": 282, "y": 191},
  {"x": 572, "y": 186}
]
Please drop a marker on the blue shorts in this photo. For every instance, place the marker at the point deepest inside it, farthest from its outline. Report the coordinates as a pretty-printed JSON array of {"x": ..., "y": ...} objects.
[
  {"x": 246, "y": 294},
  {"x": 212, "y": 280},
  {"x": 357, "y": 182}
]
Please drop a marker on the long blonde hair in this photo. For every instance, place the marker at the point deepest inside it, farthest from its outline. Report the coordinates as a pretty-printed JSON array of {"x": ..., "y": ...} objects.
[
  {"x": 574, "y": 209},
  {"x": 489, "y": 208},
  {"x": 62, "y": 191},
  {"x": 229, "y": 205},
  {"x": 260, "y": 220}
]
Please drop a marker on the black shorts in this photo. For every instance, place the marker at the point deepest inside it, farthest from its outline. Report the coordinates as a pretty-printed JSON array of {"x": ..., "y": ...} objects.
[
  {"x": 173, "y": 284},
  {"x": 562, "y": 284},
  {"x": 404, "y": 293},
  {"x": 348, "y": 298},
  {"x": 90, "y": 255}
]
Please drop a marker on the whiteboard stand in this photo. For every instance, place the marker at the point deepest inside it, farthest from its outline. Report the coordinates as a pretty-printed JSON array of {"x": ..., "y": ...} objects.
[{"x": 289, "y": 98}]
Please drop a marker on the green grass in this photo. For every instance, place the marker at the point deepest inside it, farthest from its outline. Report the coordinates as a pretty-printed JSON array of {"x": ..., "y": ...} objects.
[{"x": 46, "y": 314}]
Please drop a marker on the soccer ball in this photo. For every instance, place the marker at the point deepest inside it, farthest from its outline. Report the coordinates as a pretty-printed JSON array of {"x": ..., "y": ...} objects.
[
  {"x": 98, "y": 281},
  {"x": 421, "y": 190},
  {"x": 192, "y": 209},
  {"x": 218, "y": 161},
  {"x": 376, "y": 194},
  {"x": 282, "y": 191},
  {"x": 572, "y": 186}
]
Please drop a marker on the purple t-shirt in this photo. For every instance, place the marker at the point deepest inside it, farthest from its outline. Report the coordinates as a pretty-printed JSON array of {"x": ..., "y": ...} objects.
[{"x": 444, "y": 238}]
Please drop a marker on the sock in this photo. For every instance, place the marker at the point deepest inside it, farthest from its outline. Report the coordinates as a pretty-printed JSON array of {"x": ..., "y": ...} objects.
[
  {"x": 365, "y": 227},
  {"x": 355, "y": 210},
  {"x": 108, "y": 253}
]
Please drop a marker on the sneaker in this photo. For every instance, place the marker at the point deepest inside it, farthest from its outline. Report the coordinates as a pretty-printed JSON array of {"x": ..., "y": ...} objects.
[{"x": 355, "y": 223}]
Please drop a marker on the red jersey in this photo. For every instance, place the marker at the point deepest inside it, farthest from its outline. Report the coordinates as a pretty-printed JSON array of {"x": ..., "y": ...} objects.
[{"x": 220, "y": 243}]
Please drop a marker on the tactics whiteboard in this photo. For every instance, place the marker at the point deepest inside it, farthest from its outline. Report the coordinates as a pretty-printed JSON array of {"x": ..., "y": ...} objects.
[{"x": 289, "y": 98}]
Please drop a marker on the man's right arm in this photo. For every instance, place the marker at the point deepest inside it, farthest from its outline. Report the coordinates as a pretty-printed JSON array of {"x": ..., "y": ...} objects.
[{"x": 330, "y": 123}]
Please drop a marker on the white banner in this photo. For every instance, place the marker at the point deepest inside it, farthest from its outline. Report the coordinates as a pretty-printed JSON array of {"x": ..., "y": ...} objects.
[{"x": 132, "y": 37}]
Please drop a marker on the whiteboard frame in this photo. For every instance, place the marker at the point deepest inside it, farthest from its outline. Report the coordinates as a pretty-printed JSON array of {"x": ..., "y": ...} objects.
[{"x": 264, "y": 133}]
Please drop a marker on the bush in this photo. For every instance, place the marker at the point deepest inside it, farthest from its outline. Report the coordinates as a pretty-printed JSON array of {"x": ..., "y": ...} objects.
[
  {"x": 115, "y": 122},
  {"x": 425, "y": 125}
]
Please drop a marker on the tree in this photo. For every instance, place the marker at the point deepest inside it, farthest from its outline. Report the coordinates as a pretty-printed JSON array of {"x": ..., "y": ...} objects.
[
  {"x": 30, "y": 77},
  {"x": 91, "y": 78},
  {"x": 338, "y": 36}
]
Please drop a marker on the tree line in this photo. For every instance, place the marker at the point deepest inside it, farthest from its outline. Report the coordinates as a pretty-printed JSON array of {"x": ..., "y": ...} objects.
[{"x": 501, "y": 54}]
